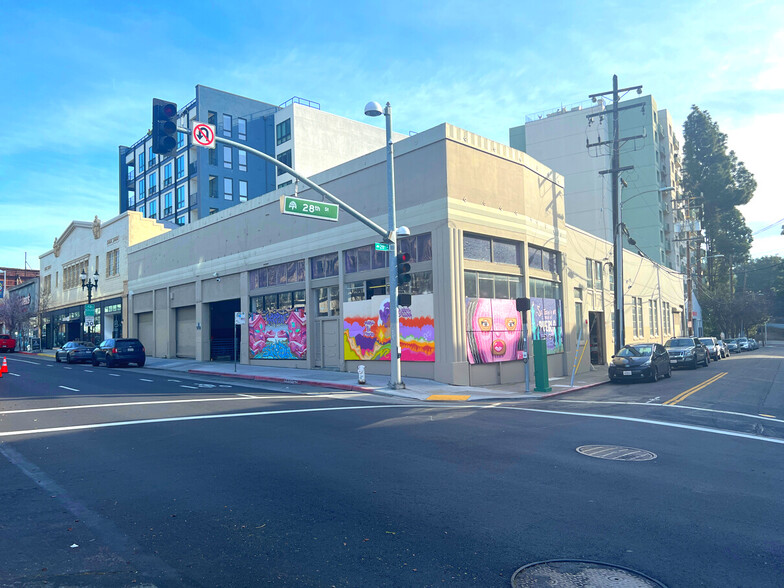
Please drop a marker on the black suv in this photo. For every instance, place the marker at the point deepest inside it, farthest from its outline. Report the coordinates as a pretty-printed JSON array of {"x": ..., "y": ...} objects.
[
  {"x": 114, "y": 352},
  {"x": 687, "y": 351}
]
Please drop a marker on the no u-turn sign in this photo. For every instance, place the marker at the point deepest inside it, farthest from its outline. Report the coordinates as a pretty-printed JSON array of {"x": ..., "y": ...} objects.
[{"x": 204, "y": 135}]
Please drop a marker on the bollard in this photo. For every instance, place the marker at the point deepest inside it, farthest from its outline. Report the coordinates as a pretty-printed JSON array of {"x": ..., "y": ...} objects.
[{"x": 361, "y": 374}]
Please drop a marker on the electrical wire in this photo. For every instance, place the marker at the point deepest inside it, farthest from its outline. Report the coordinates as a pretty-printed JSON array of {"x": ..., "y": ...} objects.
[{"x": 768, "y": 227}]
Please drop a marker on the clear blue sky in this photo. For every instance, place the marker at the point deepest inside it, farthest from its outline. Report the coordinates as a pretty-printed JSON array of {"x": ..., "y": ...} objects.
[{"x": 78, "y": 80}]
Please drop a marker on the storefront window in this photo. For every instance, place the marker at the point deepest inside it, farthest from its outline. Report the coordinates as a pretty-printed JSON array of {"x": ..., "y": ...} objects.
[{"x": 485, "y": 285}]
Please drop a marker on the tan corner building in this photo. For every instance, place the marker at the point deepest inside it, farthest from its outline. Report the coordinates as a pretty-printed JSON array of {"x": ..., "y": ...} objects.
[
  {"x": 486, "y": 227},
  {"x": 93, "y": 248}
]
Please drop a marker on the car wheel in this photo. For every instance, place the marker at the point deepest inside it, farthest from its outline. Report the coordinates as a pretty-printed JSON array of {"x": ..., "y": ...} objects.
[
  {"x": 110, "y": 361},
  {"x": 95, "y": 362},
  {"x": 140, "y": 363},
  {"x": 56, "y": 358},
  {"x": 707, "y": 360},
  {"x": 668, "y": 374},
  {"x": 694, "y": 365},
  {"x": 67, "y": 358},
  {"x": 654, "y": 374}
]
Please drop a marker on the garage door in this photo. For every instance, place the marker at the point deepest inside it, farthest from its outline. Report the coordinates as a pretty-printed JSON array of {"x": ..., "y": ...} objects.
[
  {"x": 146, "y": 332},
  {"x": 186, "y": 332}
]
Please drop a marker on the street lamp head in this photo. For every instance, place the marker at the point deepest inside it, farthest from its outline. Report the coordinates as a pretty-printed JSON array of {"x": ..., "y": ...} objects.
[
  {"x": 83, "y": 276},
  {"x": 403, "y": 232},
  {"x": 373, "y": 109},
  {"x": 95, "y": 277}
]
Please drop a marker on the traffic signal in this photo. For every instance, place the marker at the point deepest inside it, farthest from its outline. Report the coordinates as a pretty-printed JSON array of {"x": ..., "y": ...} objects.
[
  {"x": 523, "y": 304},
  {"x": 164, "y": 127},
  {"x": 403, "y": 268}
]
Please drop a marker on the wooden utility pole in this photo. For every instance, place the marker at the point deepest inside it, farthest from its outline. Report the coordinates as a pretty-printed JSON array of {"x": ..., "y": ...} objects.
[{"x": 615, "y": 170}]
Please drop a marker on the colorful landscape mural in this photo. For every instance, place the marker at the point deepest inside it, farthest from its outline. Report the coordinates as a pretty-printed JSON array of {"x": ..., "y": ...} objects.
[
  {"x": 278, "y": 334},
  {"x": 366, "y": 329},
  {"x": 547, "y": 323},
  {"x": 494, "y": 330}
]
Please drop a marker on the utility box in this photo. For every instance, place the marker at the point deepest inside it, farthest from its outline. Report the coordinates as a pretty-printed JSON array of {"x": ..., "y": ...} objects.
[{"x": 541, "y": 373}]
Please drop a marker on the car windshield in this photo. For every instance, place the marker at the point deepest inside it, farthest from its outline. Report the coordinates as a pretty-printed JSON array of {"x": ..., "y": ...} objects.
[
  {"x": 707, "y": 341},
  {"x": 634, "y": 351},
  {"x": 679, "y": 343}
]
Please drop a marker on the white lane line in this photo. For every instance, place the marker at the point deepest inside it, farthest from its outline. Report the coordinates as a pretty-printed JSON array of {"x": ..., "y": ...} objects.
[
  {"x": 173, "y": 381},
  {"x": 88, "y": 371},
  {"x": 67, "y": 388},
  {"x": 248, "y": 396},
  {"x": 697, "y": 408},
  {"x": 653, "y": 400},
  {"x": 225, "y": 386},
  {"x": 382, "y": 406},
  {"x": 145, "y": 403},
  {"x": 49, "y": 366},
  {"x": 68, "y": 368},
  {"x": 115, "y": 375},
  {"x": 202, "y": 417},
  {"x": 25, "y": 361},
  {"x": 146, "y": 380},
  {"x": 191, "y": 387},
  {"x": 13, "y": 374}
]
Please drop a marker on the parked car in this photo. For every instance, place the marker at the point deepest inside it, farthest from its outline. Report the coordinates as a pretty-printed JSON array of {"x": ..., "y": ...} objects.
[
  {"x": 732, "y": 345},
  {"x": 640, "y": 361},
  {"x": 723, "y": 349},
  {"x": 687, "y": 352},
  {"x": 7, "y": 343},
  {"x": 114, "y": 352},
  {"x": 743, "y": 344},
  {"x": 75, "y": 352},
  {"x": 713, "y": 347},
  {"x": 753, "y": 343}
]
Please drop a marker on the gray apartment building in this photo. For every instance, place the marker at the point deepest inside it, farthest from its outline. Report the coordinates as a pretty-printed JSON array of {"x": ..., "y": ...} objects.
[{"x": 198, "y": 182}]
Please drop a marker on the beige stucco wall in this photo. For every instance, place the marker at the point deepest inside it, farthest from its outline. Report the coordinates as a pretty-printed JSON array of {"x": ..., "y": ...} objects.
[{"x": 449, "y": 182}]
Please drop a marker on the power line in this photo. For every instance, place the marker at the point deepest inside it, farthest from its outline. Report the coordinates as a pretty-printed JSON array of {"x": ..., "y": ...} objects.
[{"x": 768, "y": 227}]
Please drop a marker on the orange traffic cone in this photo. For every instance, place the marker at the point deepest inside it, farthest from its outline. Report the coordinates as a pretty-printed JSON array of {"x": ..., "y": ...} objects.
[{"x": 4, "y": 369}]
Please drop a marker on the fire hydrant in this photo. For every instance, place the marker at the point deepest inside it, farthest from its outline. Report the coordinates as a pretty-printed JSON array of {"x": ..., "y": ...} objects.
[{"x": 361, "y": 374}]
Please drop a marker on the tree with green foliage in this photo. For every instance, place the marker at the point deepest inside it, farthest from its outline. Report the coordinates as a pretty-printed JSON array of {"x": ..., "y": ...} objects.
[{"x": 715, "y": 175}]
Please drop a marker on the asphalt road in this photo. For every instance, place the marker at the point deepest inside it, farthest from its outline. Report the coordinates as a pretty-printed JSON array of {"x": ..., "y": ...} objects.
[{"x": 134, "y": 477}]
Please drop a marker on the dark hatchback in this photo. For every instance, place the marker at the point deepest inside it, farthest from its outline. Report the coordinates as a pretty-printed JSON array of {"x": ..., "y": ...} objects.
[
  {"x": 687, "y": 352},
  {"x": 114, "y": 352},
  {"x": 640, "y": 362},
  {"x": 75, "y": 352}
]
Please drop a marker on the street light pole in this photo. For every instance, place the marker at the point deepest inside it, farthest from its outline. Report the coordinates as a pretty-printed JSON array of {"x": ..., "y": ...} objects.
[
  {"x": 89, "y": 284},
  {"x": 395, "y": 382}
]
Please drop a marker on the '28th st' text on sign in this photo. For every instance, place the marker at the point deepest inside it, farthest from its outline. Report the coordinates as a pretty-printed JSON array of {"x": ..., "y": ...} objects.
[{"x": 309, "y": 208}]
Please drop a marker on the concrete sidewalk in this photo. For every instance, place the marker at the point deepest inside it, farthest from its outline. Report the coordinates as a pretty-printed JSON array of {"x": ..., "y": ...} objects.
[{"x": 416, "y": 388}]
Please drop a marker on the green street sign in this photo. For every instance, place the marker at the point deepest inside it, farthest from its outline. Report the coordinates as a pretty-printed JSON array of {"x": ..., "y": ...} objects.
[
  {"x": 382, "y": 246},
  {"x": 89, "y": 310},
  {"x": 309, "y": 208}
]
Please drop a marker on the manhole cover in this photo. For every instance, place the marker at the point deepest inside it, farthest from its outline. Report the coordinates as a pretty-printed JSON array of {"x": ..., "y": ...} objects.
[
  {"x": 616, "y": 452},
  {"x": 579, "y": 574}
]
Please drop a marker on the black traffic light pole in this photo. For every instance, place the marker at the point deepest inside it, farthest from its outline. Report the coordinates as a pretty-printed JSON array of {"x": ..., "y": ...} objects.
[{"x": 523, "y": 306}]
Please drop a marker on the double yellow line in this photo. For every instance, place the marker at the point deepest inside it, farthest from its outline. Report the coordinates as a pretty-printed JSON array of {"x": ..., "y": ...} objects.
[{"x": 697, "y": 388}]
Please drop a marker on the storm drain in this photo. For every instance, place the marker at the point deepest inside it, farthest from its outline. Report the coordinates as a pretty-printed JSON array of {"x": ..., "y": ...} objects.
[
  {"x": 616, "y": 452},
  {"x": 580, "y": 574}
]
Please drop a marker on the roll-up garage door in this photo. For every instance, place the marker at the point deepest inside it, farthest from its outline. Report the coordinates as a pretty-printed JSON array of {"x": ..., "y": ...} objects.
[
  {"x": 186, "y": 332},
  {"x": 146, "y": 332}
]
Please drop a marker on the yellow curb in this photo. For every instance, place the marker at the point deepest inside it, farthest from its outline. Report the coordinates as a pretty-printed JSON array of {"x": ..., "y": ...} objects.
[{"x": 448, "y": 397}]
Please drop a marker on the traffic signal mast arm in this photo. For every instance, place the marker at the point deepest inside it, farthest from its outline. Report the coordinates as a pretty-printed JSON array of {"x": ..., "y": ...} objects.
[{"x": 357, "y": 215}]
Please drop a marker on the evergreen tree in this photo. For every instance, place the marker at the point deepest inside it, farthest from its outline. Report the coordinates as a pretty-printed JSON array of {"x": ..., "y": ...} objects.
[{"x": 712, "y": 172}]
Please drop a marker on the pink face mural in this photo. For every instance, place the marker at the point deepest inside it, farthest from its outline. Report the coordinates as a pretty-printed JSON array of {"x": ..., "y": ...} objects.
[{"x": 494, "y": 332}]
